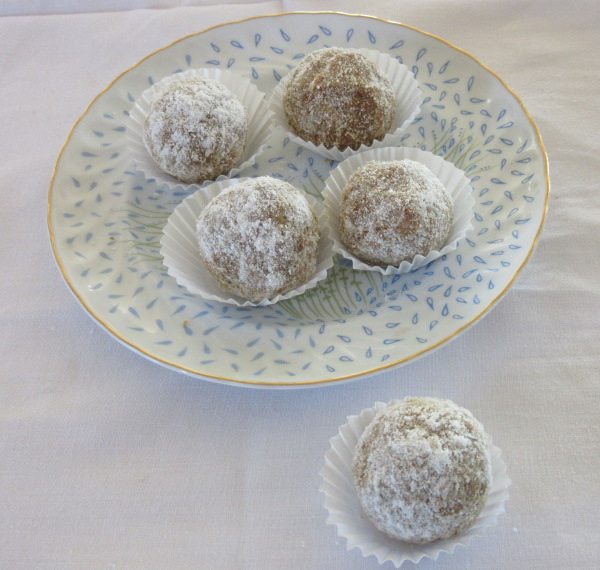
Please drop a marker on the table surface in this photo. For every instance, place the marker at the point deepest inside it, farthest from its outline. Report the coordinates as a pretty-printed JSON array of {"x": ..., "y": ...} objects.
[{"x": 108, "y": 460}]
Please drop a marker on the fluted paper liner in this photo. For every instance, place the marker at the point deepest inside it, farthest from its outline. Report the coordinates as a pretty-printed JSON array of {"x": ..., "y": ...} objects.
[
  {"x": 454, "y": 180},
  {"x": 408, "y": 105},
  {"x": 182, "y": 255},
  {"x": 346, "y": 514},
  {"x": 253, "y": 100}
]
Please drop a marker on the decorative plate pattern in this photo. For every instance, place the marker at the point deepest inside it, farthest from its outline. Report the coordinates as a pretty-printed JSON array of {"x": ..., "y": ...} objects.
[{"x": 106, "y": 220}]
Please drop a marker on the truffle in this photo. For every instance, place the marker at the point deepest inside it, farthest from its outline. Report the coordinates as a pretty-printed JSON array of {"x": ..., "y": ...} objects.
[
  {"x": 259, "y": 238},
  {"x": 422, "y": 469},
  {"x": 338, "y": 98},
  {"x": 392, "y": 211},
  {"x": 196, "y": 130}
]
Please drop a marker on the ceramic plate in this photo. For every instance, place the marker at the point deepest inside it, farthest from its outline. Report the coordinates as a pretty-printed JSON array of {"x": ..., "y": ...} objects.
[{"x": 106, "y": 220}]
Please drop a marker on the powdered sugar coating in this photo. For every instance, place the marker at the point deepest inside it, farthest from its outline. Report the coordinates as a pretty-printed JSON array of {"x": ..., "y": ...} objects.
[
  {"x": 196, "y": 130},
  {"x": 338, "y": 98},
  {"x": 422, "y": 469},
  {"x": 259, "y": 238},
  {"x": 392, "y": 211}
]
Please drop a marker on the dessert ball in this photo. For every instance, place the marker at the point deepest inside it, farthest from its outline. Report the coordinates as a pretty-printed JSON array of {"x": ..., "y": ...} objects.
[
  {"x": 338, "y": 98},
  {"x": 422, "y": 469},
  {"x": 196, "y": 130},
  {"x": 259, "y": 238},
  {"x": 392, "y": 211}
]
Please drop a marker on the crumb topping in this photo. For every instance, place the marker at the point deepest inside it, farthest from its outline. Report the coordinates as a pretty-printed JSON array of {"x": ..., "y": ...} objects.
[
  {"x": 422, "y": 469},
  {"x": 259, "y": 238},
  {"x": 337, "y": 97},
  {"x": 392, "y": 211},
  {"x": 196, "y": 130}
]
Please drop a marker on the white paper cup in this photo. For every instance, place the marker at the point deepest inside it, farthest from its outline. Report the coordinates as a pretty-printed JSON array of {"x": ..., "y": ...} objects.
[
  {"x": 253, "y": 100},
  {"x": 408, "y": 105},
  {"x": 182, "y": 254},
  {"x": 454, "y": 180},
  {"x": 346, "y": 514}
]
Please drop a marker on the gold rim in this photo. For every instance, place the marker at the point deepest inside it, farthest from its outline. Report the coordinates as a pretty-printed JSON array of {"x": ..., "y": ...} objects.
[{"x": 372, "y": 371}]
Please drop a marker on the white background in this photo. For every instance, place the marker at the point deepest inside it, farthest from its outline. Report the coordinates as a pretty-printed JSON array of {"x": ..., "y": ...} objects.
[{"x": 108, "y": 460}]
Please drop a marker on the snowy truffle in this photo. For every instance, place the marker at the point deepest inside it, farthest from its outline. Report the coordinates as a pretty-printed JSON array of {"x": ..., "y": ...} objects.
[
  {"x": 196, "y": 130},
  {"x": 392, "y": 211},
  {"x": 422, "y": 469},
  {"x": 338, "y": 98},
  {"x": 259, "y": 238}
]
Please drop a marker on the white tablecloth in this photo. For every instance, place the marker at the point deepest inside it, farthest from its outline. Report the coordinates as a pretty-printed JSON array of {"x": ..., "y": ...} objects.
[{"x": 108, "y": 460}]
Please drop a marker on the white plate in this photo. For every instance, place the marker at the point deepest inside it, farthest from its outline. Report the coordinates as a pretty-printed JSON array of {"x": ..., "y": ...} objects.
[{"x": 106, "y": 221}]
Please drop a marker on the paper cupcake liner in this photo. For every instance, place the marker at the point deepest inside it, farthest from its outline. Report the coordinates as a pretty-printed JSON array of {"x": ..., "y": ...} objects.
[
  {"x": 454, "y": 180},
  {"x": 253, "y": 100},
  {"x": 408, "y": 105},
  {"x": 182, "y": 256},
  {"x": 346, "y": 514}
]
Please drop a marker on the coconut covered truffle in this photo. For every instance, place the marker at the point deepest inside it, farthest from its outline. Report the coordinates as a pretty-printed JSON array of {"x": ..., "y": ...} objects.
[
  {"x": 259, "y": 238},
  {"x": 422, "y": 469},
  {"x": 338, "y": 98},
  {"x": 196, "y": 130},
  {"x": 392, "y": 211}
]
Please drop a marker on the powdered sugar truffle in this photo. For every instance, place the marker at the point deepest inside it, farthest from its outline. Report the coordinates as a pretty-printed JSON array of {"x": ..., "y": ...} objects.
[
  {"x": 422, "y": 469},
  {"x": 196, "y": 130},
  {"x": 337, "y": 97},
  {"x": 392, "y": 211},
  {"x": 259, "y": 238}
]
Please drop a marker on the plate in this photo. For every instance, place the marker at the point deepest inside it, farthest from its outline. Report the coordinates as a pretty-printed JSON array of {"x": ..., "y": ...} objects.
[{"x": 106, "y": 220}]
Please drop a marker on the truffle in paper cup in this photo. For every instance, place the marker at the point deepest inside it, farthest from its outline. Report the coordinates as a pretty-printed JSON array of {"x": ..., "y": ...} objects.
[
  {"x": 345, "y": 511},
  {"x": 182, "y": 255},
  {"x": 408, "y": 105},
  {"x": 253, "y": 100},
  {"x": 454, "y": 180}
]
